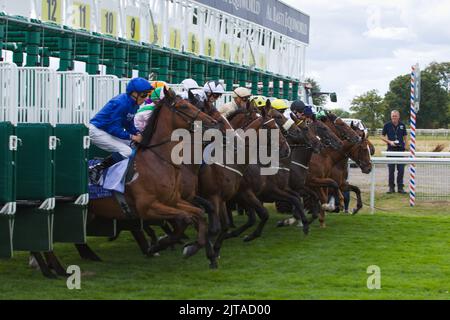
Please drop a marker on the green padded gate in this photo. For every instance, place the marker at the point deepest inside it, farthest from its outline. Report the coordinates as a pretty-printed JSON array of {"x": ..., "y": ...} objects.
[
  {"x": 71, "y": 175},
  {"x": 33, "y": 227},
  {"x": 7, "y": 188}
]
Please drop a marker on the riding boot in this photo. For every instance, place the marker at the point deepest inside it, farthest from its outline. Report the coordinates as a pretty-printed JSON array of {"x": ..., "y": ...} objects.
[{"x": 95, "y": 172}]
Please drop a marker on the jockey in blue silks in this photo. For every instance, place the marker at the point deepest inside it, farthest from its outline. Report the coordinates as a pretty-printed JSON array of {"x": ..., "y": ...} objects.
[{"x": 112, "y": 128}]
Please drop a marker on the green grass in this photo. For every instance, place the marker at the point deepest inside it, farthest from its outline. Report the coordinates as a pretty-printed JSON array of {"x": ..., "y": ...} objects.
[{"x": 411, "y": 246}]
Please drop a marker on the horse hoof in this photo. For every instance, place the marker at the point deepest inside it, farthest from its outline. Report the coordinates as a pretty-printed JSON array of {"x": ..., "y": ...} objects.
[
  {"x": 213, "y": 265},
  {"x": 189, "y": 250},
  {"x": 355, "y": 211},
  {"x": 249, "y": 238},
  {"x": 230, "y": 235},
  {"x": 280, "y": 224},
  {"x": 306, "y": 230}
]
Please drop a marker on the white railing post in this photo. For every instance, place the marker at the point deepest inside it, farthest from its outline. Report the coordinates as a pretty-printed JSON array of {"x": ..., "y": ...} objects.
[{"x": 372, "y": 189}]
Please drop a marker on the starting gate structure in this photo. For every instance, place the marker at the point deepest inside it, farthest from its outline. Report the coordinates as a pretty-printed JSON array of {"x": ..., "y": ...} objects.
[{"x": 98, "y": 46}]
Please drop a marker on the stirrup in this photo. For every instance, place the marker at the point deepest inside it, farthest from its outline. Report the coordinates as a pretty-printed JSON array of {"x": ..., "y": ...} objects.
[{"x": 95, "y": 173}]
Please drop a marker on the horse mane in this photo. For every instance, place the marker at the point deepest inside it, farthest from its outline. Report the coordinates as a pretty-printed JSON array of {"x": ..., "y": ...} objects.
[
  {"x": 235, "y": 113},
  {"x": 150, "y": 127},
  {"x": 332, "y": 116}
]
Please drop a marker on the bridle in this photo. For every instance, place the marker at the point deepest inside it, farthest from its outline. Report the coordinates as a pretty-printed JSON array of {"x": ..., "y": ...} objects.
[{"x": 190, "y": 120}]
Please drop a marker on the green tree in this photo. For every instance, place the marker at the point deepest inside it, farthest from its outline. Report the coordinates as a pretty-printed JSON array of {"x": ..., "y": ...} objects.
[
  {"x": 442, "y": 70},
  {"x": 317, "y": 100},
  {"x": 370, "y": 108},
  {"x": 341, "y": 113},
  {"x": 434, "y": 100}
]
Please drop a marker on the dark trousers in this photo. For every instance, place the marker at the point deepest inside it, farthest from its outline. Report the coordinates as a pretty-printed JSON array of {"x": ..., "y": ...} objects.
[
  {"x": 400, "y": 173},
  {"x": 346, "y": 199}
]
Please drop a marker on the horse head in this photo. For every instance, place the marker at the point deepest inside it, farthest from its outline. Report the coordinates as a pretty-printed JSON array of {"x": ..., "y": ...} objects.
[
  {"x": 326, "y": 135},
  {"x": 311, "y": 139},
  {"x": 340, "y": 128},
  {"x": 270, "y": 123},
  {"x": 362, "y": 151}
]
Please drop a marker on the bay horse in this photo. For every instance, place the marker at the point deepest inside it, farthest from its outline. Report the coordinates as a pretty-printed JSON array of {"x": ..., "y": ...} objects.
[
  {"x": 220, "y": 182},
  {"x": 256, "y": 189},
  {"x": 319, "y": 175},
  {"x": 359, "y": 155},
  {"x": 301, "y": 156},
  {"x": 154, "y": 193}
]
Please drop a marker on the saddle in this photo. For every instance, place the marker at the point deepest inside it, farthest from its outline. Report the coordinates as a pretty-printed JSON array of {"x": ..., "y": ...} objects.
[{"x": 112, "y": 184}]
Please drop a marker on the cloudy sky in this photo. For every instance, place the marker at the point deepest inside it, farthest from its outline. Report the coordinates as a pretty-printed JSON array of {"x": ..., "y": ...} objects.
[{"x": 359, "y": 45}]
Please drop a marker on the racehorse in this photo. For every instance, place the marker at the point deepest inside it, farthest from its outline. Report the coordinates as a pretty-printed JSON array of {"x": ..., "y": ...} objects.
[
  {"x": 154, "y": 193},
  {"x": 257, "y": 189},
  {"x": 221, "y": 181},
  {"x": 302, "y": 156},
  {"x": 360, "y": 153},
  {"x": 319, "y": 175}
]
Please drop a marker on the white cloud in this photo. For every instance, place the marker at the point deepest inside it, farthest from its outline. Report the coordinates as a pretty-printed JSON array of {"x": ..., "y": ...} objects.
[
  {"x": 360, "y": 45},
  {"x": 389, "y": 33}
]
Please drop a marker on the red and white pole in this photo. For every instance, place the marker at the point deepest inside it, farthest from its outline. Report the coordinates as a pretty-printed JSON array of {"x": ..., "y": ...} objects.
[{"x": 412, "y": 145}]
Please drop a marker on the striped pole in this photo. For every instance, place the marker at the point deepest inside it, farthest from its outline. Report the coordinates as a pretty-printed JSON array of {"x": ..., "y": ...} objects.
[{"x": 412, "y": 145}]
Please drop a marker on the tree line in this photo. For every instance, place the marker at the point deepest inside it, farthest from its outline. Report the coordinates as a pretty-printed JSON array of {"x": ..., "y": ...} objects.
[{"x": 374, "y": 110}]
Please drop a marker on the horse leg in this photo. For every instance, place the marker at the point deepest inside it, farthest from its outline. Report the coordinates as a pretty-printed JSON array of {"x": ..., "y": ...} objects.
[
  {"x": 251, "y": 220},
  {"x": 151, "y": 233},
  {"x": 230, "y": 207},
  {"x": 86, "y": 252},
  {"x": 314, "y": 201},
  {"x": 141, "y": 240},
  {"x": 171, "y": 239},
  {"x": 299, "y": 210},
  {"x": 214, "y": 232},
  {"x": 210, "y": 209},
  {"x": 262, "y": 213},
  {"x": 43, "y": 266},
  {"x": 359, "y": 203},
  {"x": 225, "y": 223},
  {"x": 199, "y": 223},
  {"x": 54, "y": 263}
]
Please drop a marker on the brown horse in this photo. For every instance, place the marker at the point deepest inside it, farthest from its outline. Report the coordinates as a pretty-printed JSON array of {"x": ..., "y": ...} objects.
[
  {"x": 155, "y": 190},
  {"x": 319, "y": 176},
  {"x": 220, "y": 182},
  {"x": 301, "y": 156},
  {"x": 257, "y": 189},
  {"x": 360, "y": 153}
]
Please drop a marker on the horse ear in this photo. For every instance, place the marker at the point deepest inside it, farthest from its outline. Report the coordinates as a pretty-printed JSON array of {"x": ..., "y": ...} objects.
[
  {"x": 169, "y": 93},
  {"x": 191, "y": 96},
  {"x": 166, "y": 91},
  {"x": 267, "y": 107},
  {"x": 264, "y": 111},
  {"x": 293, "y": 117}
]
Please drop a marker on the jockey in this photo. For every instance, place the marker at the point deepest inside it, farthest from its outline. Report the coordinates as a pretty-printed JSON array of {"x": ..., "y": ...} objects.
[
  {"x": 214, "y": 90},
  {"x": 241, "y": 96},
  {"x": 155, "y": 85},
  {"x": 280, "y": 105},
  {"x": 300, "y": 109},
  {"x": 142, "y": 115},
  {"x": 192, "y": 86},
  {"x": 112, "y": 128},
  {"x": 259, "y": 101}
]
